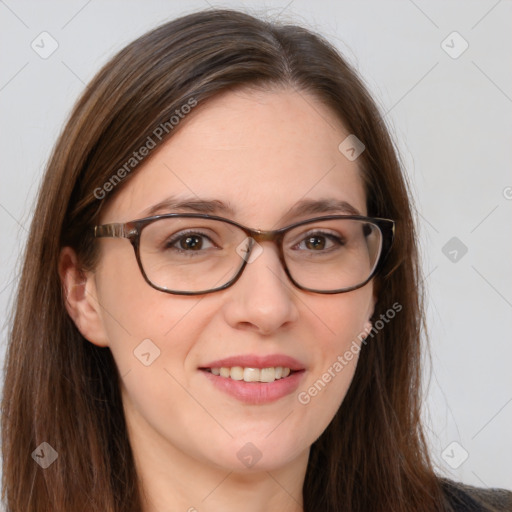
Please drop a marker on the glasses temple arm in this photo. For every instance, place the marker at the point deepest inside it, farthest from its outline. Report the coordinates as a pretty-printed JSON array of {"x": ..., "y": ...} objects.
[{"x": 111, "y": 231}]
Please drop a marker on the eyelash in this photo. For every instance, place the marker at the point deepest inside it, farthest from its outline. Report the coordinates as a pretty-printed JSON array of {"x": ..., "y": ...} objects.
[
  {"x": 340, "y": 241},
  {"x": 169, "y": 243}
]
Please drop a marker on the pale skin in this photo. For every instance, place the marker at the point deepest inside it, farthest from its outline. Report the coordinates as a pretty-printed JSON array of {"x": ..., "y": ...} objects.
[{"x": 261, "y": 153}]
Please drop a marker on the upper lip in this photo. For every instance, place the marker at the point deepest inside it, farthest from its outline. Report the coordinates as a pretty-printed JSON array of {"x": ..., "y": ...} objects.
[{"x": 255, "y": 361}]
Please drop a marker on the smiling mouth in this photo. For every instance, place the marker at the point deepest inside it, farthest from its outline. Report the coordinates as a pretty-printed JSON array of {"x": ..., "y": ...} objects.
[{"x": 265, "y": 375}]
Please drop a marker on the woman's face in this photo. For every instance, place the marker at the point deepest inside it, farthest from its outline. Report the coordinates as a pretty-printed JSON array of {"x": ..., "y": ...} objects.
[{"x": 260, "y": 153}]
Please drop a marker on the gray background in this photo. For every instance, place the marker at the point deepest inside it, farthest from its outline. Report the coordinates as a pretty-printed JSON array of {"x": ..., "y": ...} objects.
[{"x": 451, "y": 118}]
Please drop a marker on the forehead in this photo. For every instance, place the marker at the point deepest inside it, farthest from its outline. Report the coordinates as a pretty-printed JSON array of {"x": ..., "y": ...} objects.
[{"x": 257, "y": 152}]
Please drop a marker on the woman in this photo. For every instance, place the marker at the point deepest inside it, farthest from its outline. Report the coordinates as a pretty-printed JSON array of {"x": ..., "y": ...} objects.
[{"x": 220, "y": 305}]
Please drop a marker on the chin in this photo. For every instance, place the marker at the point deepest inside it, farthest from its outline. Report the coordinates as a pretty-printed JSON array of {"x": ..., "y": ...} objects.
[{"x": 257, "y": 456}]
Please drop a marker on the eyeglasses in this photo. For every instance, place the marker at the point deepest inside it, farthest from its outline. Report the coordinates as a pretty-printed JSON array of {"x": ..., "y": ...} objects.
[{"x": 194, "y": 254}]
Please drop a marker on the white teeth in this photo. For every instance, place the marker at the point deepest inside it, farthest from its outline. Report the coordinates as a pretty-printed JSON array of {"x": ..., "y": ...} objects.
[
  {"x": 267, "y": 374},
  {"x": 236, "y": 373},
  {"x": 252, "y": 374}
]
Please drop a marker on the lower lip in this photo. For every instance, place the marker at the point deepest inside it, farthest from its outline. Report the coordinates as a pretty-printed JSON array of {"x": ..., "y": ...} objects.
[{"x": 256, "y": 393}]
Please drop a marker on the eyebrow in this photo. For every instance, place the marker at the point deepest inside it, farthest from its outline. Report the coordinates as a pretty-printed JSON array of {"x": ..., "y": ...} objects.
[{"x": 215, "y": 207}]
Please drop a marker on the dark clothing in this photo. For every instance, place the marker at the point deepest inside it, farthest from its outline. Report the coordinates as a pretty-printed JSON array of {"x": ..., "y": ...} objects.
[{"x": 465, "y": 498}]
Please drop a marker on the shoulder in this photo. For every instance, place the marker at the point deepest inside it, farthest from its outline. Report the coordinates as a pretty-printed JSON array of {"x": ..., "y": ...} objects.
[{"x": 466, "y": 498}]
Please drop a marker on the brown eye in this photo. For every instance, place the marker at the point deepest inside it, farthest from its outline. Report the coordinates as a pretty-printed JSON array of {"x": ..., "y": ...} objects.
[
  {"x": 320, "y": 242},
  {"x": 315, "y": 242},
  {"x": 191, "y": 242}
]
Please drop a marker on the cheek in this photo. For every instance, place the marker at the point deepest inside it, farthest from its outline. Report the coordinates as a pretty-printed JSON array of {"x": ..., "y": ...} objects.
[
  {"x": 340, "y": 319},
  {"x": 142, "y": 323},
  {"x": 337, "y": 324}
]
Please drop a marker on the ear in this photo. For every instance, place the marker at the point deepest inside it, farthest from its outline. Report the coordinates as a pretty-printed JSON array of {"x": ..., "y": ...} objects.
[{"x": 79, "y": 290}]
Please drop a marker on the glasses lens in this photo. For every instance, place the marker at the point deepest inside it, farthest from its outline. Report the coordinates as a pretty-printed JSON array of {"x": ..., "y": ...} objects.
[
  {"x": 331, "y": 255},
  {"x": 190, "y": 254}
]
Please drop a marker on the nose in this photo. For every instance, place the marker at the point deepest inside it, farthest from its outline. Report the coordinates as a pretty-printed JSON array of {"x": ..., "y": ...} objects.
[{"x": 263, "y": 299}]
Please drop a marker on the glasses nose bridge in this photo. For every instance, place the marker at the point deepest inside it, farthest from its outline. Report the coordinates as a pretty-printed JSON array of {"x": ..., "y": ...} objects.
[
  {"x": 267, "y": 236},
  {"x": 275, "y": 237}
]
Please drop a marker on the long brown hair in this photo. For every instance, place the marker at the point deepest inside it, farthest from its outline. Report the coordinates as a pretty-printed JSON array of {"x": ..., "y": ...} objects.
[{"x": 61, "y": 389}]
